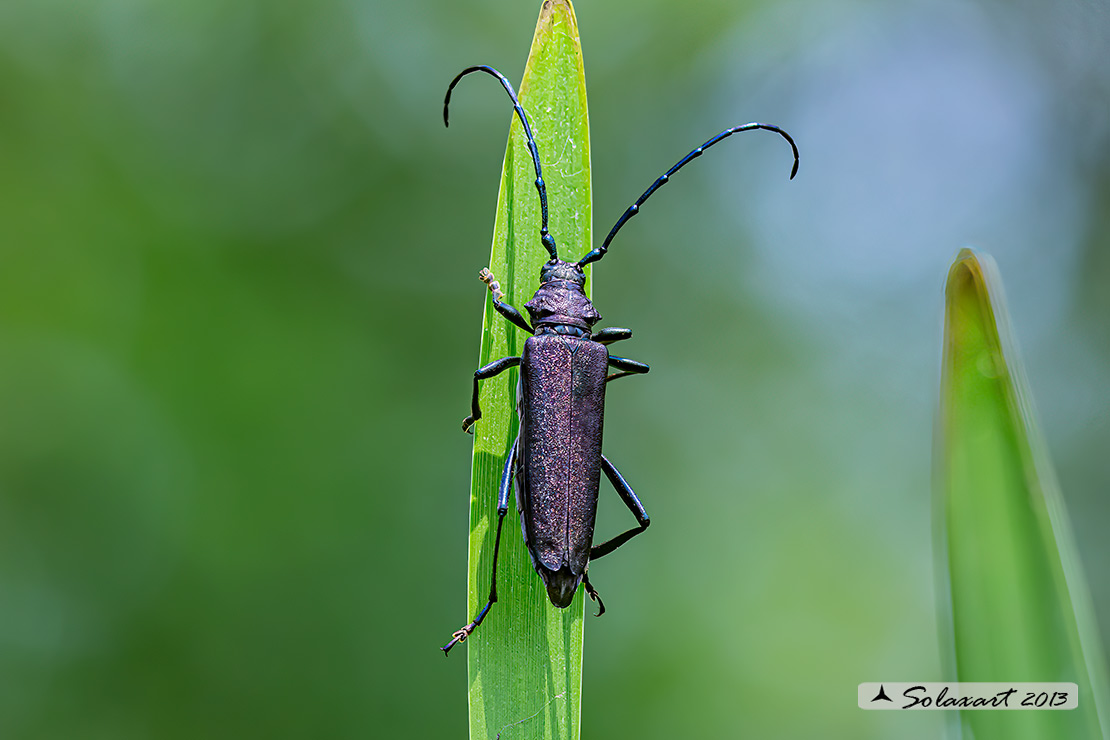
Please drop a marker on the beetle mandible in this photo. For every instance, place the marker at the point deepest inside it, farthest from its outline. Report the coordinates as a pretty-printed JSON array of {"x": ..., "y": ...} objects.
[{"x": 556, "y": 458}]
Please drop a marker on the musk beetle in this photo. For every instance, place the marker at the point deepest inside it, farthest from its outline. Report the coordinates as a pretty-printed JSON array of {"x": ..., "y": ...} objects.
[{"x": 556, "y": 459}]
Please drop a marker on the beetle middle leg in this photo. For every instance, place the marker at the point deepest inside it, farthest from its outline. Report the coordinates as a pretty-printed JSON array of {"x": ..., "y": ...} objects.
[
  {"x": 629, "y": 497},
  {"x": 612, "y": 334},
  {"x": 502, "y": 509},
  {"x": 627, "y": 367},
  {"x": 494, "y": 368}
]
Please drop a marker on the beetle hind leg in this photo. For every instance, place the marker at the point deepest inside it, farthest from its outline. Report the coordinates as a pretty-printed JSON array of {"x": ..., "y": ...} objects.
[
  {"x": 629, "y": 497},
  {"x": 502, "y": 509},
  {"x": 593, "y": 594},
  {"x": 627, "y": 367}
]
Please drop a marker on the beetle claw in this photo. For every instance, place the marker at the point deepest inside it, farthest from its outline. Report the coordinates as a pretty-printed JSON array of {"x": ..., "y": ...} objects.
[
  {"x": 457, "y": 637},
  {"x": 593, "y": 594},
  {"x": 468, "y": 424}
]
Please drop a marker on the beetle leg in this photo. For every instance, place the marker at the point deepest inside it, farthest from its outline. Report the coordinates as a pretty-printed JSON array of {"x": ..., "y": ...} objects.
[
  {"x": 627, "y": 367},
  {"x": 614, "y": 376},
  {"x": 593, "y": 594},
  {"x": 611, "y": 334},
  {"x": 502, "y": 508},
  {"x": 631, "y": 366},
  {"x": 513, "y": 315},
  {"x": 503, "y": 308},
  {"x": 633, "y": 504},
  {"x": 494, "y": 368}
]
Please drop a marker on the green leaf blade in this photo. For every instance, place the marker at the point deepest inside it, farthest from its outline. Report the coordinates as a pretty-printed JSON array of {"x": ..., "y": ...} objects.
[
  {"x": 525, "y": 660},
  {"x": 1019, "y": 605}
]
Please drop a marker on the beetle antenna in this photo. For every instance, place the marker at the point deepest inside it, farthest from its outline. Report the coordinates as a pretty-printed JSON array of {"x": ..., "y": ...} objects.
[
  {"x": 546, "y": 238},
  {"x": 633, "y": 209}
]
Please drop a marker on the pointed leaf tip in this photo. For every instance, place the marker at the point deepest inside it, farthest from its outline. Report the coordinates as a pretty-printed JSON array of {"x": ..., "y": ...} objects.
[{"x": 1015, "y": 605}]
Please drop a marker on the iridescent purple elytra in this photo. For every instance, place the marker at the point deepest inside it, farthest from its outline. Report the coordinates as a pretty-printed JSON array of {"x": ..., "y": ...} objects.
[{"x": 561, "y": 410}]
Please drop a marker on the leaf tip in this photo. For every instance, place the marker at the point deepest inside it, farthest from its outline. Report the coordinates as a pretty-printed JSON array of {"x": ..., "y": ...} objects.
[{"x": 972, "y": 273}]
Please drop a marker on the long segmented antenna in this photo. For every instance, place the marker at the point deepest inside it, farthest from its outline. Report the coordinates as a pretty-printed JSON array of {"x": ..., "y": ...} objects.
[
  {"x": 633, "y": 209},
  {"x": 546, "y": 238}
]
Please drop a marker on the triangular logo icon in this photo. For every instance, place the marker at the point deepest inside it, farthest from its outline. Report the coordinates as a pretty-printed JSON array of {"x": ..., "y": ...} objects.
[{"x": 882, "y": 695}]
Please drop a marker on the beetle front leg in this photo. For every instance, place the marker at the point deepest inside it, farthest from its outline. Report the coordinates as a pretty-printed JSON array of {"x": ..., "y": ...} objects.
[
  {"x": 494, "y": 368},
  {"x": 633, "y": 504},
  {"x": 627, "y": 367},
  {"x": 502, "y": 508},
  {"x": 503, "y": 308}
]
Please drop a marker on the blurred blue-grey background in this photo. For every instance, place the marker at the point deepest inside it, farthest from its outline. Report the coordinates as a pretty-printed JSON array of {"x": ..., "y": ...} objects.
[{"x": 239, "y": 315}]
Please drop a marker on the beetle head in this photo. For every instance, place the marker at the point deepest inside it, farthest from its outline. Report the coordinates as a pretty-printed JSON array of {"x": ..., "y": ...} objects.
[
  {"x": 559, "y": 270},
  {"x": 561, "y": 299}
]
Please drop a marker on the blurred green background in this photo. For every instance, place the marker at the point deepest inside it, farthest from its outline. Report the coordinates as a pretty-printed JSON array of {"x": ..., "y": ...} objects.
[{"x": 239, "y": 314}]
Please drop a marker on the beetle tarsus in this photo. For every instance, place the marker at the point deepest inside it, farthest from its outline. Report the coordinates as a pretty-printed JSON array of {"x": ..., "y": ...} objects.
[
  {"x": 459, "y": 636},
  {"x": 503, "y": 308},
  {"x": 465, "y": 632},
  {"x": 594, "y": 595},
  {"x": 494, "y": 287},
  {"x": 468, "y": 423}
]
